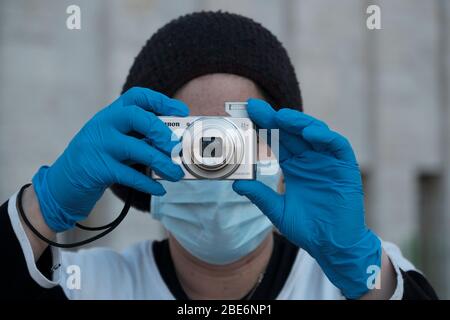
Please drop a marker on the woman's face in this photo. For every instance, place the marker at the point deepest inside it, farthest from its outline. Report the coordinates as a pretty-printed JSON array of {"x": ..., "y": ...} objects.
[{"x": 207, "y": 94}]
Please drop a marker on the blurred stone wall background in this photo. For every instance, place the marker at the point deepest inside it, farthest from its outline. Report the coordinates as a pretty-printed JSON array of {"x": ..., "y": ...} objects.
[{"x": 387, "y": 90}]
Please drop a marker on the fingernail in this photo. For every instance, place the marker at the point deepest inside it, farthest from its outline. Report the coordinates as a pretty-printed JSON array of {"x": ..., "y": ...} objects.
[
  {"x": 175, "y": 173},
  {"x": 180, "y": 108},
  {"x": 160, "y": 192}
]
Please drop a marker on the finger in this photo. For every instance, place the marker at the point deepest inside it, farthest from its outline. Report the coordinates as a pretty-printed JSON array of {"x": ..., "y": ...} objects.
[
  {"x": 146, "y": 123},
  {"x": 292, "y": 122},
  {"x": 138, "y": 151},
  {"x": 263, "y": 115},
  {"x": 295, "y": 121},
  {"x": 266, "y": 199},
  {"x": 129, "y": 177},
  {"x": 155, "y": 102},
  {"x": 325, "y": 140},
  {"x": 295, "y": 144}
]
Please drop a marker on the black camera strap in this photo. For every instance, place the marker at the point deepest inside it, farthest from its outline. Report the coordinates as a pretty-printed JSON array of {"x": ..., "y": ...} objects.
[{"x": 109, "y": 227}]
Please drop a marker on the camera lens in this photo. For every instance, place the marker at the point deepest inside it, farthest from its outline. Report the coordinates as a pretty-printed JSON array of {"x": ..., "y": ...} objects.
[{"x": 213, "y": 148}]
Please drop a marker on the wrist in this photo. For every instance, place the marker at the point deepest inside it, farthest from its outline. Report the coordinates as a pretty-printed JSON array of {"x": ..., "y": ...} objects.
[
  {"x": 385, "y": 285},
  {"x": 34, "y": 215},
  {"x": 351, "y": 268},
  {"x": 54, "y": 215}
]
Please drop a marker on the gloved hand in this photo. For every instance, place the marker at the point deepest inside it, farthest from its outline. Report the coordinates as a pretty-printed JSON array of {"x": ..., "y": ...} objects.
[
  {"x": 322, "y": 209},
  {"x": 98, "y": 156}
]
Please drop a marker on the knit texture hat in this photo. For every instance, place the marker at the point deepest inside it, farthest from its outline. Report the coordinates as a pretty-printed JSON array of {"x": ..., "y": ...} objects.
[{"x": 212, "y": 42}]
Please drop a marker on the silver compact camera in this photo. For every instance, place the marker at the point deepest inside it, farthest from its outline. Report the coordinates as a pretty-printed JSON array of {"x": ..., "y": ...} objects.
[{"x": 220, "y": 148}]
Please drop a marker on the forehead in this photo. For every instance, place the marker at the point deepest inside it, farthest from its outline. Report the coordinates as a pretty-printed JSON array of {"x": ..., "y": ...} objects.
[{"x": 207, "y": 94}]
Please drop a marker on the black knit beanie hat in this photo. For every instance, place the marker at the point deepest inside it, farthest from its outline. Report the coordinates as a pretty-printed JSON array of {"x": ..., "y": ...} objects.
[{"x": 212, "y": 42}]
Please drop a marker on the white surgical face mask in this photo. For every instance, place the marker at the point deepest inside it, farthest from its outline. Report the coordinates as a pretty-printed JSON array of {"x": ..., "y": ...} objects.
[{"x": 210, "y": 220}]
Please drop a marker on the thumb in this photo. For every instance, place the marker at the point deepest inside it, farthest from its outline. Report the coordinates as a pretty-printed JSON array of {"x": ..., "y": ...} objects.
[{"x": 267, "y": 200}]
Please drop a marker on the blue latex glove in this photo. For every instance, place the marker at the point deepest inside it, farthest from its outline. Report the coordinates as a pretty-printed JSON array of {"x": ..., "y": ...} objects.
[
  {"x": 98, "y": 156},
  {"x": 322, "y": 209}
]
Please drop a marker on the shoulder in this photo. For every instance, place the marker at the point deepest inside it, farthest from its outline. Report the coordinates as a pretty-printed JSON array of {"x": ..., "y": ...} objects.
[
  {"x": 102, "y": 257},
  {"x": 104, "y": 273},
  {"x": 307, "y": 281}
]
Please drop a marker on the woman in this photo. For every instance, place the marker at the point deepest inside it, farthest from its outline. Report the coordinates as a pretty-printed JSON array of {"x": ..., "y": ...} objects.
[{"x": 222, "y": 243}]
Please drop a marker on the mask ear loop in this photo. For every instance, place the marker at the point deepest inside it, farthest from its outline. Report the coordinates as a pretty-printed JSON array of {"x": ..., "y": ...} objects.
[{"x": 109, "y": 227}]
